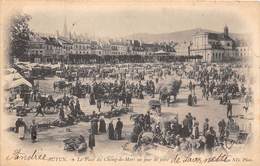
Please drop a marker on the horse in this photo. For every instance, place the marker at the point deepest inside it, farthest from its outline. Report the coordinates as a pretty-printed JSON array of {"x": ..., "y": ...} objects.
[{"x": 47, "y": 102}]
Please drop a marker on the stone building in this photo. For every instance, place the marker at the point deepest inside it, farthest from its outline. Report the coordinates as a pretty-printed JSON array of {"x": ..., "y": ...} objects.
[
  {"x": 37, "y": 49},
  {"x": 213, "y": 47},
  {"x": 183, "y": 48},
  {"x": 243, "y": 50}
]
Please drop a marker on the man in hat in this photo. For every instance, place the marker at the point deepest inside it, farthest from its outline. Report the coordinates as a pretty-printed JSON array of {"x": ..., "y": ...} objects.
[
  {"x": 118, "y": 129},
  {"x": 39, "y": 110},
  {"x": 33, "y": 129},
  {"x": 229, "y": 109},
  {"x": 98, "y": 104}
]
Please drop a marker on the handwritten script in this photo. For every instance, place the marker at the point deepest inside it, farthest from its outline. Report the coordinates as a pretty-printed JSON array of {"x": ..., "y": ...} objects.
[{"x": 18, "y": 154}]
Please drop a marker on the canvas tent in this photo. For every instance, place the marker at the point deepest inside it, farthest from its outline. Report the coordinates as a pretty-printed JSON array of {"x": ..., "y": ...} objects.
[{"x": 14, "y": 79}]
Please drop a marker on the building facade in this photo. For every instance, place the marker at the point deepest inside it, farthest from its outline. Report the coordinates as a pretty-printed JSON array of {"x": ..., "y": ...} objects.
[
  {"x": 213, "y": 47},
  {"x": 54, "y": 50},
  {"x": 183, "y": 48},
  {"x": 37, "y": 49},
  {"x": 205, "y": 46},
  {"x": 118, "y": 48},
  {"x": 81, "y": 48},
  {"x": 243, "y": 50}
]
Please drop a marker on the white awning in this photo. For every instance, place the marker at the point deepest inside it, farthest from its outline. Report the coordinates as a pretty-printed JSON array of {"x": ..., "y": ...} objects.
[
  {"x": 17, "y": 83},
  {"x": 14, "y": 80}
]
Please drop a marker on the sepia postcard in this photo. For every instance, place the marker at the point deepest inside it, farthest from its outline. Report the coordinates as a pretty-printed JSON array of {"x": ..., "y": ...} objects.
[{"x": 131, "y": 82}]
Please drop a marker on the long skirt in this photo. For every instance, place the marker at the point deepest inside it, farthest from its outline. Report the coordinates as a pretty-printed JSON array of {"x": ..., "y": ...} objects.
[
  {"x": 33, "y": 135},
  {"x": 21, "y": 133},
  {"x": 102, "y": 127},
  {"x": 92, "y": 141},
  {"x": 111, "y": 133},
  {"x": 190, "y": 103}
]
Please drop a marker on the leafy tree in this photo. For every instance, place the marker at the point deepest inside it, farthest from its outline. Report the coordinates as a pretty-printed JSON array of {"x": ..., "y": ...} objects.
[{"x": 19, "y": 36}]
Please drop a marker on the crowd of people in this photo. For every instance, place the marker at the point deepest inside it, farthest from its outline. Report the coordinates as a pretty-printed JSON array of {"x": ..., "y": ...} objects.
[
  {"x": 186, "y": 136},
  {"x": 221, "y": 83}
]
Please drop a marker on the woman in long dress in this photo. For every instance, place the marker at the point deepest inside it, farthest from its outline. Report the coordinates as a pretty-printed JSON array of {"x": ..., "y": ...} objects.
[
  {"x": 21, "y": 129},
  {"x": 91, "y": 142},
  {"x": 111, "y": 131},
  {"x": 102, "y": 125},
  {"x": 92, "y": 99}
]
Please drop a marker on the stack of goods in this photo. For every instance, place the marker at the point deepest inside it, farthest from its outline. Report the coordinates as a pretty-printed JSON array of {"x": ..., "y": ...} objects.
[
  {"x": 75, "y": 143},
  {"x": 117, "y": 112}
]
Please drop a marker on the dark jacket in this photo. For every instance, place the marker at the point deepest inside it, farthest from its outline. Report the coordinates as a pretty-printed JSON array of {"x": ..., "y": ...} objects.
[{"x": 119, "y": 126}]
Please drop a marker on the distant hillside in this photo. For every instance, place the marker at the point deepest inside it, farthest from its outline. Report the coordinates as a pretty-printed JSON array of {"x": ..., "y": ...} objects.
[{"x": 178, "y": 36}]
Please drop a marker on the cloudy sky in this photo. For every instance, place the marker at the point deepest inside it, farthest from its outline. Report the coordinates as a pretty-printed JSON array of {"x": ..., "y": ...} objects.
[{"x": 118, "y": 22}]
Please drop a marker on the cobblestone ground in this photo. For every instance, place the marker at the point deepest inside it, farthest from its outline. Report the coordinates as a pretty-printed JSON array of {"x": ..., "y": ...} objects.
[{"x": 51, "y": 139}]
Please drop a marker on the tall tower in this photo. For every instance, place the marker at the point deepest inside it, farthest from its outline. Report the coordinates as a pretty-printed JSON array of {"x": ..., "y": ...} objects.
[
  {"x": 226, "y": 31},
  {"x": 65, "y": 28}
]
